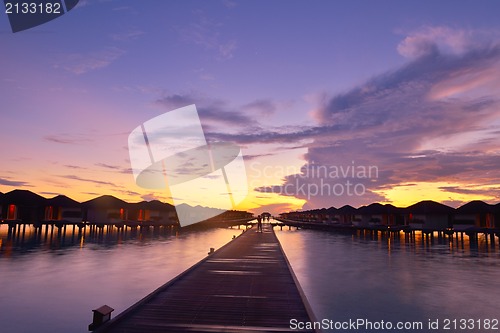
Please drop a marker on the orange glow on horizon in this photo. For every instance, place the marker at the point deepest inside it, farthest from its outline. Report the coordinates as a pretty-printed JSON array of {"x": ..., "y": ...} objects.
[
  {"x": 407, "y": 194},
  {"x": 401, "y": 195}
]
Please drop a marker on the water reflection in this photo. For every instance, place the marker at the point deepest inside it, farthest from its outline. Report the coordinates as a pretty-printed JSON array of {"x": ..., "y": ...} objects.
[
  {"x": 24, "y": 238},
  {"x": 418, "y": 242},
  {"x": 394, "y": 278},
  {"x": 56, "y": 276}
]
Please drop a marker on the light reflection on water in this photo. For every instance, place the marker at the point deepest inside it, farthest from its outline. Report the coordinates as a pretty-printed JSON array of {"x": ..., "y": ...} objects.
[
  {"x": 354, "y": 276},
  {"x": 50, "y": 282}
]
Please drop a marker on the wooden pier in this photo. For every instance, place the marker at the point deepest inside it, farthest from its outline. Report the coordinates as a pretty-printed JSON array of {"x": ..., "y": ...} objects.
[{"x": 246, "y": 286}]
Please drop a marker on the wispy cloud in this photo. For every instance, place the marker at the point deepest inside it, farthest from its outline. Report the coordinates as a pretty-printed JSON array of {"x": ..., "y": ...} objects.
[
  {"x": 212, "y": 112},
  {"x": 129, "y": 193},
  {"x": 66, "y": 138},
  {"x": 428, "y": 39},
  {"x": 204, "y": 75},
  {"x": 93, "y": 181},
  {"x": 50, "y": 193},
  {"x": 92, "y": 193},
  {"x": 281, "y": 135},
  {"x": 227, "y": 49},
  {"x": 229, "y": 3},
  {"x": 435, "y": 119},
  {"x": 249, "y": 157},
  {"x": 439, "y": 107},
  {"x": 108, "y": 166},
  {"x": 154, "y": 196},
  {"x": 208, "y": 34},
  {"x": 495, "y": 190},
  {"x": 115, "y": 168},
  {"x": 148, "y": 197},
  {"x": 127, "y": 36},
  {"x": 77, "y": 167},
  {"x": 121, "y": 8},
  {"x": 81, "y": 63},
  {"x": 446, "y": 40},
  {"x": 15, "y": 183},
  {"x": 261, "y": 106}
]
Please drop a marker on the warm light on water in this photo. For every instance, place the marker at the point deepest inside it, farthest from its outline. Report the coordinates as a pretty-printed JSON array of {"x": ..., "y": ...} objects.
[
  {"x": 51, "y": 283},
  {"x": 350, "y": 277}
]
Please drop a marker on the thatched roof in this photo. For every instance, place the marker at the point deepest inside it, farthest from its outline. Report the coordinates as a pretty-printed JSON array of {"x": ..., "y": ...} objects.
[
  {"x": 429, "y": 207},
  {"x": 106, "y": 201},
  {"x": 63, "y": 201},
  {"x": 153, "y": 205},
  {"x": 474, "y": 207},
  {"x": 23, "y": 198}
]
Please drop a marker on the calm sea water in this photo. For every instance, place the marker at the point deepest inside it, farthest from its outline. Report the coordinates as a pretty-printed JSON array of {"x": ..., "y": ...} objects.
[
  {"x": 50, "y": 282},
  {"x": 354, "y": 277}
]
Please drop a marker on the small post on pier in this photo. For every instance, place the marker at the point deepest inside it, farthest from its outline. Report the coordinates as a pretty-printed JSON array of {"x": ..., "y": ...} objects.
[{"x": 101, "y": 315}]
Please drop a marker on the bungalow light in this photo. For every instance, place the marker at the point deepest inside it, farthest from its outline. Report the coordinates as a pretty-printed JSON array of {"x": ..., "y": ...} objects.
[
  {"x": 49, "y": 213},
  {"x": 12, "y": 212}
]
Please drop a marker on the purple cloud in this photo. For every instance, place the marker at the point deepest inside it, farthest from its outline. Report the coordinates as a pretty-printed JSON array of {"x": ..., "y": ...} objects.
[
  {"x": 94, "y": 181},
  {"x": 65, "y": 139},
  {"x": 433, "y": 119},
  {"x": 213, "y": 113},
  {"x": 17, "y": 183}
]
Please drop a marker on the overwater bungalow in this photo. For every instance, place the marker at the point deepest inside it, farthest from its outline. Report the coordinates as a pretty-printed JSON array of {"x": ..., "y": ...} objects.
[
  {"x": 496, "y": 216},
  {"x": 22, "y": 206},
  {"x": 326, "y": 215},
  {"x": 346, "y": 215},
  {"x": 331, "y": 216},
  {"x": 318, "y": 215},
  {"x": 474, "y": 214},
  {"x": 377, "y": 214},
  {"x": 290, "y": 215},
  {"x": 323, "y": 215},
  {"x": 1, "y": 205},
  {"x": 153, "y": 213},
  {"x": 61, "y": 209},
  {"x": 313, "y": 215},
  {"x": 105, "y": 209},
  {"x": 429, "y": 215}
]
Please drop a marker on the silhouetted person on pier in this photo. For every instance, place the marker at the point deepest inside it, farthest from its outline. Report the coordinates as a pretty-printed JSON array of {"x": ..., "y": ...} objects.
[{"x": 259, "y": 223}]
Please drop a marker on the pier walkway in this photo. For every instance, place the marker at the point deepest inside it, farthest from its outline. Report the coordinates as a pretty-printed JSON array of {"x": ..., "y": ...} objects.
[{"x": 246, "y": 286}]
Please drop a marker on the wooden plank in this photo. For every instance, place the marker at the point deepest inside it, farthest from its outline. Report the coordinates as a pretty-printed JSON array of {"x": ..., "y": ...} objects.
[{"x": 246, "y": 286}]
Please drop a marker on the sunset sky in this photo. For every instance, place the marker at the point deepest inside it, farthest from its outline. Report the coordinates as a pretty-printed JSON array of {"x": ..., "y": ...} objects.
[{"x": 409, "y": 88}]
